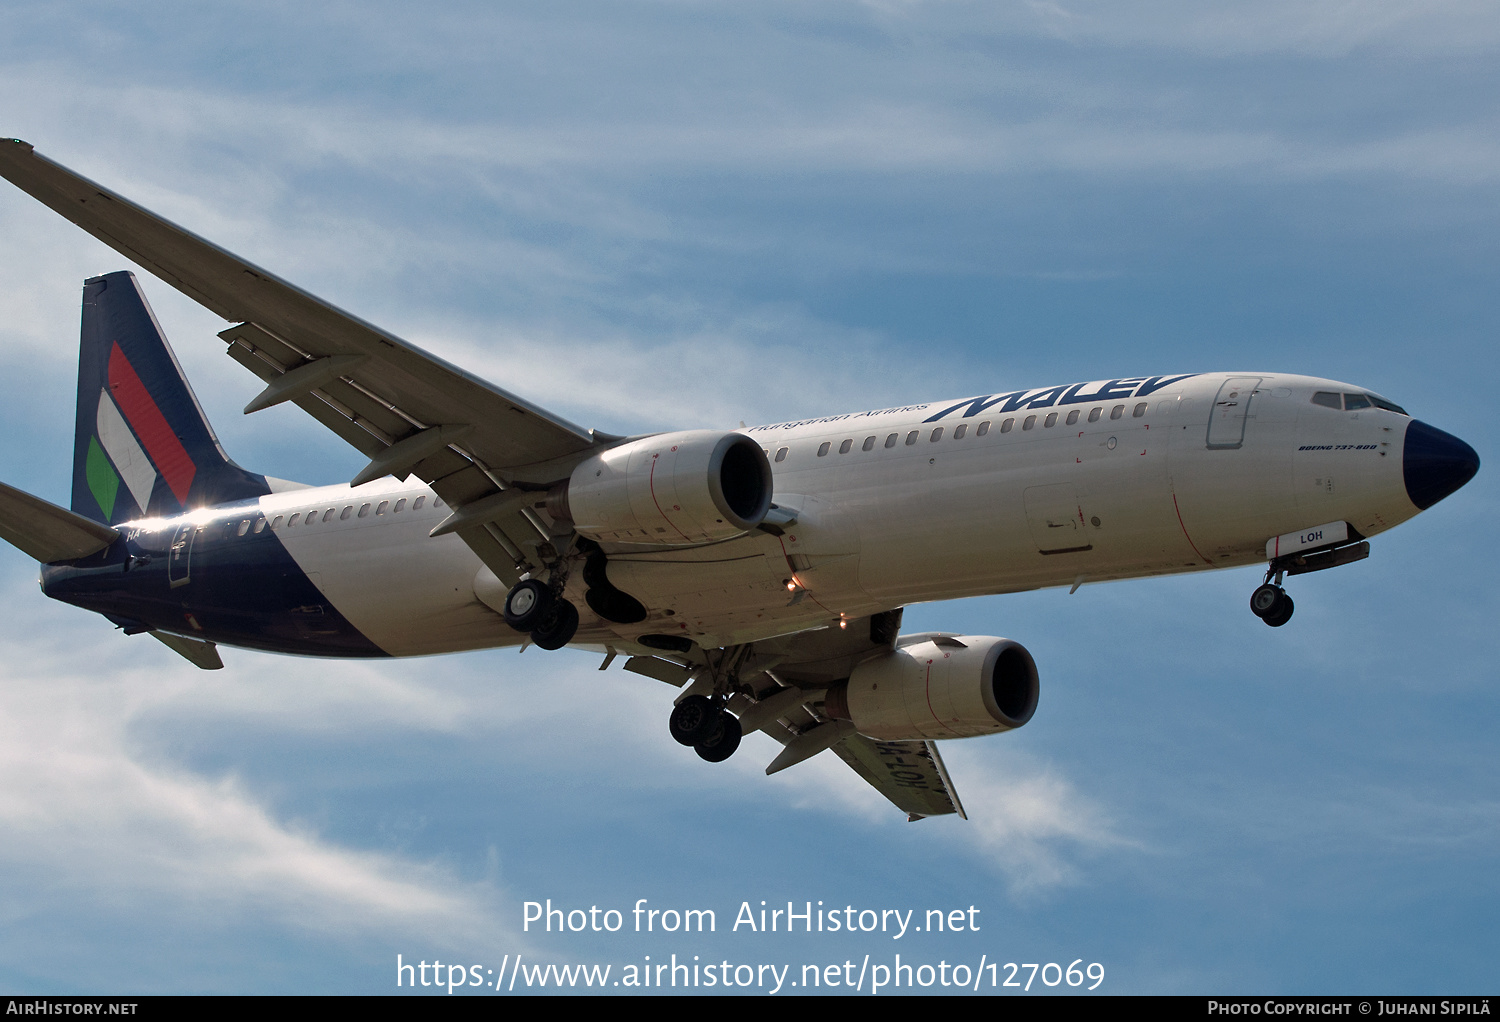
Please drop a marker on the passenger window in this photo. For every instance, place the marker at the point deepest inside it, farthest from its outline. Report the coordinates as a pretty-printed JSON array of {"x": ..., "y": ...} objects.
[
  {"x": 1007, "y": 425},
  {"x": 244, "y": 527},
  {"x": 823, "y": 448},
  {"x": 1029, "y": 423},
  {"x": 400, "y": 504},
  {"x": 364, "y": 510},
  {"x": 436, "y": 501},
  {"x": 869, "y": 444},
  {"x": 846, "y": 446},
  {"x": 260, "y": 526},
  {"x": 984, "y": 427},
  {"x": 959, "y": 431},
  {"x": 1354, "y": 402},
  {"x": 1116, "y": 411},
  {"x": 1140, "y": 410},
  {"x": 1051, "y": 420},
  {"x": 1327, "y": 400},
  {"x": 937, "y": 435},
  {"x": 911, "y": 437},
  {"x": 781, "y": 455},
  {"x": 276, "y": 522},
  {"x": 348, "y": 510},
  {"x": 1073, "y": 417},
  {"x": 890, "y": 441},
  {"x": 1095, "y": 413},
  {"x": 383, "y": 505},
  {"x": 293, "y": 520},
  {"x": 416, "y": 505}
]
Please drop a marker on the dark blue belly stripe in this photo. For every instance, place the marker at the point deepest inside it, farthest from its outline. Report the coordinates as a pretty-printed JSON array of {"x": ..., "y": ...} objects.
[{"x": 239, "y": 590}]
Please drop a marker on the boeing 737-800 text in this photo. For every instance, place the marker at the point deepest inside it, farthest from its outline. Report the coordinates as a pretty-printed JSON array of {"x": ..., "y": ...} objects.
[{"x": 761, "y": 570}]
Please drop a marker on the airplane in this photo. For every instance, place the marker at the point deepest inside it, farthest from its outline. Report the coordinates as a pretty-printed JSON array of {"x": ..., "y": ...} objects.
[{"x": 760, "y": 571}]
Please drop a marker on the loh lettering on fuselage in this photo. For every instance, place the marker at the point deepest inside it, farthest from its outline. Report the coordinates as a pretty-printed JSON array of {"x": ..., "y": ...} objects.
[{"x": 1075, "y": 394}]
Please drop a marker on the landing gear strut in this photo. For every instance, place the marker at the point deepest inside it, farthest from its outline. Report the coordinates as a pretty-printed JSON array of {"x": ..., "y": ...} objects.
[
  {"x": 703, "y": 721},
  {"x": 1270, "y": 602}
]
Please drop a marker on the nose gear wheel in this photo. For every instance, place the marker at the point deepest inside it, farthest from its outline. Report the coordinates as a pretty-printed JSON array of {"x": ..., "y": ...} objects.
[{"x": 1272, "y": 605}]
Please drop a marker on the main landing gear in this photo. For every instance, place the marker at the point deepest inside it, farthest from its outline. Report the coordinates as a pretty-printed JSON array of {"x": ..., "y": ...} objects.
[
  {"x": 1270, "y": 602},
  {"x": 532, "y": 607},
  {"x": 711, "y": 730}
]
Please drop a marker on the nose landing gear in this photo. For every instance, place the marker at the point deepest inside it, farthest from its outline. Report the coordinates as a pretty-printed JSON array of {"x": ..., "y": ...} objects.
[{"x": 1271, "y": 603}]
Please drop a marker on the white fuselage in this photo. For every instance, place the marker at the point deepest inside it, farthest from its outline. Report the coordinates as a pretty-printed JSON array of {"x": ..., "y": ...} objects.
[{"x": 926, "y": 502}]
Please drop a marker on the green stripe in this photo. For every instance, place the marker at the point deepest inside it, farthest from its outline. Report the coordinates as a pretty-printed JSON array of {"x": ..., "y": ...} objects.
[{"x": 104, "y": 484}]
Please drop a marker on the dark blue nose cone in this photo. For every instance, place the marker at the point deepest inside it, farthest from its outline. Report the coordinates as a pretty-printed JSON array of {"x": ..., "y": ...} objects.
[{"x": 1435, "y": 464}]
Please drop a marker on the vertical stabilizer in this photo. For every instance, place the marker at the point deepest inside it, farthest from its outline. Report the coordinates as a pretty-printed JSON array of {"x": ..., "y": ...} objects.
[{"x": 142, "y": 446}]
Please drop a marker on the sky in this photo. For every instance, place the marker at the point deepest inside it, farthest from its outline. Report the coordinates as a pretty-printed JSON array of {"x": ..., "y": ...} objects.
[{"x": 664, "y": 214}]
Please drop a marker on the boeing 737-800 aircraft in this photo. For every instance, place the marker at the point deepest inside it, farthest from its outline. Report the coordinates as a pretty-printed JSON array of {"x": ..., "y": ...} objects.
[{"x": 761, "y": 570}]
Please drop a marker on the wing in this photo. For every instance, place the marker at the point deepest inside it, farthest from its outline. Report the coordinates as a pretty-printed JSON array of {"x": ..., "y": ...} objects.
[
  {"x": 780, "y": 688},
  {"x": 408, "y": 411}
]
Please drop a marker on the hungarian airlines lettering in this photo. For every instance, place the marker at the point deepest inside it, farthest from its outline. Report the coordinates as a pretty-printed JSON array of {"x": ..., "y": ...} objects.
[{"x": 1135, "y": 386}]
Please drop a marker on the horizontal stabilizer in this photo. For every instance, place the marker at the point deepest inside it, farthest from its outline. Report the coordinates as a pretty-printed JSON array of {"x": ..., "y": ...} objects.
[
  {"x": 47, "y": 532},
  {"x": 196, "y": 651}
]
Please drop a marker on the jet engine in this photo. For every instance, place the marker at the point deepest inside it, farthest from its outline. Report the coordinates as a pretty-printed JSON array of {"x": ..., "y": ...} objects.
[
  {"x": 943, "y": 686},
  {"x": 675, "y": 489}
]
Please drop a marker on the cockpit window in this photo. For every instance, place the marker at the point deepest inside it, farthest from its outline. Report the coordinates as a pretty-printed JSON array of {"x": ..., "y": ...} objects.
[{"x": 1354, "y": 402}]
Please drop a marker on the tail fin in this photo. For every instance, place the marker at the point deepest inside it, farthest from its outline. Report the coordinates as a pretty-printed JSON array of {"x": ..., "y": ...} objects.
[{"x": 142, "y": 446}]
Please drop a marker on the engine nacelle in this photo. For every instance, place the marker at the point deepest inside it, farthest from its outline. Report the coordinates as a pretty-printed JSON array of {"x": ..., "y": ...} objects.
[
  {"x": 676, "y": 489},
  {"x": 956, "y": 686}
]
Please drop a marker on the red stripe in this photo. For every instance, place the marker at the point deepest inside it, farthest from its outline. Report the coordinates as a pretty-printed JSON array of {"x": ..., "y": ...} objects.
[
  {"x": 161, "y": 443},
  {"x": 651, "y": 483},
  {"x": 1185, "y": 532}
]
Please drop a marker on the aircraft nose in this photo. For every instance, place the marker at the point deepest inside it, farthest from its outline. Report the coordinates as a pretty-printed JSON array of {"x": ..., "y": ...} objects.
[{"x": 1435, "y": 464}]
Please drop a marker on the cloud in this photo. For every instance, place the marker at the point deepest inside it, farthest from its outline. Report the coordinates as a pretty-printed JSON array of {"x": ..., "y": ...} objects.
[
  {"x": 99, "y": 822},
  {"x": 1026, "y": 820}
]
